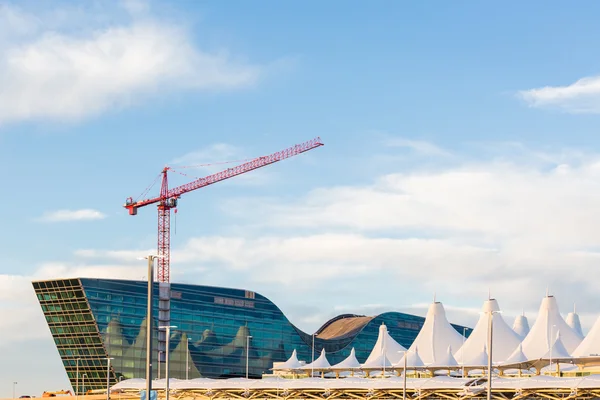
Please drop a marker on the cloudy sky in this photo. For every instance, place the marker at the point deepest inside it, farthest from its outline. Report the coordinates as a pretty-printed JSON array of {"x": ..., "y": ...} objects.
[{"x": 461, "y": 155}]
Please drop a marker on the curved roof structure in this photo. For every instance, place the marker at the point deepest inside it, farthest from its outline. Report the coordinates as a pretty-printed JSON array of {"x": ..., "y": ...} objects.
[
  {"x": 436, "y": 336},
  {"x": 343, "y": 326},
  {"x": 505, "y": 340},
  {"x": 549, "y": 323}
]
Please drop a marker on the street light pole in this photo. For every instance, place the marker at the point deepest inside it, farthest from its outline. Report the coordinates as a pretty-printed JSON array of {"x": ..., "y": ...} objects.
[
  {"x": 159, "y": 353},
  {"x": 150, "y": 303},
  {"x": 462, "y": 352},
  {"x": 77, "y": 377},
  {"x": 404, "y": 380},
  {"x": 187, "y": 360},
  {"x": 108, "y": 377},
  {"x": 83, "y": 384},
  {"x": 383, "y": 358},
  {"x": 490, "y": 327},
  {"x": 167, "y": 328},
  {"x": 247, "y": 351},
  {"x": 312, "y": 365},
  {"x": 551, "y": 345},
  {"x": 14, "y": 385}
]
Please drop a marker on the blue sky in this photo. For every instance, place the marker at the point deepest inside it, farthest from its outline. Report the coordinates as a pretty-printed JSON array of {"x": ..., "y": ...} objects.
[{"x": 461, "y": 153}]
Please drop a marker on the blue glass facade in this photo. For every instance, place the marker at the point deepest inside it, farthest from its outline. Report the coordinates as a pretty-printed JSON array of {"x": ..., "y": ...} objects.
[{"x": 91, "y": 319}]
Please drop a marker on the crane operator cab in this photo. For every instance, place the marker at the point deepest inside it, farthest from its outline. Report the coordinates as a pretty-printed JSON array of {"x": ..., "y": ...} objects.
[{"x": 171, "y": 203}]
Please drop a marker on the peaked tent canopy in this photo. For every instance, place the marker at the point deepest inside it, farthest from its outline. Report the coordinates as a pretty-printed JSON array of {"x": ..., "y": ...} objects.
[
  {"x": 436, "y": 335},
  {"x": 517, "y": 356},
  {"x": 348, "y": 364},
  {"x": 319, "y": 364},
  {"x": 292, "y": 363},
  {"x": 590, "y": 346},
  {"x": 412, "y": 361},
  {"x": 557, "y": 350},
  {"x": 549, "y": 323},
  {"x": 379, "y": 362},
  {"x": 521, "y": 326},
  {"x": 505, "y": 339},
  {"x": 386, "y": 343},
  {"x": 573, "y": 321},
  {"x": 479, "y": 360},
  {"x": 447, "y": 361}
]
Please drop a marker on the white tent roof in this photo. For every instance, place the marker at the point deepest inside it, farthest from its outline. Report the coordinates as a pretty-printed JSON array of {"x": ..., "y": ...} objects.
[
  {"x": 521, "y": 326},
  {"x": 412, "y": 361},
  {"x": 517, "y": 356},
  {"x": 548, "y": 323},
  {"x": 436, "y": 335},
  {"x": 591, "y": 344},
  {"x": 479, "y": 360},
  {"x": 505, "y": 340},
  {"x": 438, "y": 382},
  {"x": 447, "y": 361},
  {"x": 573, "y": 321},
  {"x": 319, "y": 363},
  {"x": 377, "y": 362},
  {"x": 557, "y": 351},
  {"x": 291, "y": 363},
  {"x": 349, "y": 363},
  {"x": 387, "y": 343}
]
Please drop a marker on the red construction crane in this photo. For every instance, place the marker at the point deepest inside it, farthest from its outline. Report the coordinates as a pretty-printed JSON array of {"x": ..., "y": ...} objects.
[{"x": 168, "y": 197}]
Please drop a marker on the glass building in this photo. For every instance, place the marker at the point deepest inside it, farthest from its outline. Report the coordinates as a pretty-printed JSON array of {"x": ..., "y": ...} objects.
[{"x": 92, "y": 320}]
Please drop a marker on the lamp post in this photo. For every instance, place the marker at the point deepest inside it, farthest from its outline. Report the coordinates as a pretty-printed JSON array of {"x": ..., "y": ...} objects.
[
  {"x": 83, "y": 385},
  {"x": 247, "y": 351},
  {"x": 159, "y": 353},
  {"x": 187, "y": 360},
  {"x": 462, "y": 352},
  {"x": 551, "y": 345},
  {"x": 312, "y": 363},
  {"x": 77, "y": 377},
  {"x": 14, "y": 385},
  {"x": 383, "y": 354},
  {"x": 404, "y": 379},
  {"x": 150, "y": 303},
  {"x": 108, "y": 377},
  {"x": 490, "y": 338},
  {"x": 167, "y": 328}
]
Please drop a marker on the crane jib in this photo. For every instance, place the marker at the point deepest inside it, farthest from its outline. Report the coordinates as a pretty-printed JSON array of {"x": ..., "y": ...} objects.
[{"x": 168, "y": 197}]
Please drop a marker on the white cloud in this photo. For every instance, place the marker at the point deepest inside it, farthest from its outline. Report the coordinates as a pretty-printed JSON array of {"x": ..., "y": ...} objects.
[
  {"x": 72, "y": 215},
  {"x": 53, "y": 74},
  {"x": 583, "y": 96},
  {"x": 418, "y": 146},
  {"x": 210, "y": 155}
]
